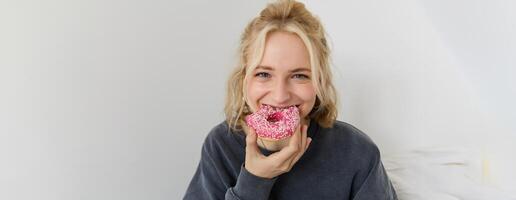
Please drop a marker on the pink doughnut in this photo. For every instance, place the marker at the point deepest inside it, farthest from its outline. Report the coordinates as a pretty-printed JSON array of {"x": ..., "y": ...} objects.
[{"x": 274, "y": 123}]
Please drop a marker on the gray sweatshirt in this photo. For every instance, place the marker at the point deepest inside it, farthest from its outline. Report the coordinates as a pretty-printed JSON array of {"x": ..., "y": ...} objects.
[{"x": 340, "y": 163}]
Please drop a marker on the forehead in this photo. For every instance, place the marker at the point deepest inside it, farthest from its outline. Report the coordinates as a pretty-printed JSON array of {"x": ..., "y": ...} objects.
[{"x": 285, "y": 51}]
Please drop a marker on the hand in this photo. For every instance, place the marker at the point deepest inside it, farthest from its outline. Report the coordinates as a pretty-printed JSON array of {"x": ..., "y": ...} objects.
[{"x": 279, "y": 162}]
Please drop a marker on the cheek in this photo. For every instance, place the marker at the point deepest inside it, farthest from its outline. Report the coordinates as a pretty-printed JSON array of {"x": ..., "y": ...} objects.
[
  {"x": 308, "y": 94},
  {"x": 255, "y": 91}
]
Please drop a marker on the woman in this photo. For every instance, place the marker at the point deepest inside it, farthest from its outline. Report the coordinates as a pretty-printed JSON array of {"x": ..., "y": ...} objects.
[{"x": 284, "y": 63}]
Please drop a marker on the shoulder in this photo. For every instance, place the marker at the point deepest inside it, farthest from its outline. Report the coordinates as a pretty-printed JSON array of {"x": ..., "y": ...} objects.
[
  {"x": 218, "y": 133},
  {"x": 220, "y": 138},
  {"x": 350, "y": 139},
  {"x": 345, "y": 131}
]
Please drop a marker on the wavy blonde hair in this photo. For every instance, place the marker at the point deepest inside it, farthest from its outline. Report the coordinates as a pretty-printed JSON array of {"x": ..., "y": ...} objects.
[{"x": 289, "y": 16}]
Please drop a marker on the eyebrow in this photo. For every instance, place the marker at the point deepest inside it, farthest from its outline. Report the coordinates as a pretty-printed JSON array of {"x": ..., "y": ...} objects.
[{"x": 292, "y": 71}]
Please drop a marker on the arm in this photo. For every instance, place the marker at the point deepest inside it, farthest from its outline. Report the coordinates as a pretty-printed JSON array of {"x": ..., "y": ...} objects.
[
  {"x": 376, "y": 184},
  {"x": 212, "y": 181},
  {"x": 249, "y": 186}
]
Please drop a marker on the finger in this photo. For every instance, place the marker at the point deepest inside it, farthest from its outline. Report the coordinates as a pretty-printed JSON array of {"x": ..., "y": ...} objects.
[
  {"x": 286, "y": 154},
  {"x": 302, "y": 137},
  {"x": 296, "y": 138},
  {"x": 251, "y": 147},
  {"x": 296, "y": 159},
  {"x": 309, "y": 141},
  {"x": 303, "y": 145}
]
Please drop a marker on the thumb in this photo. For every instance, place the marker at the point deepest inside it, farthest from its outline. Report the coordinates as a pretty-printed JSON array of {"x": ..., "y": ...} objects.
[{"x": 250, "y": 140}]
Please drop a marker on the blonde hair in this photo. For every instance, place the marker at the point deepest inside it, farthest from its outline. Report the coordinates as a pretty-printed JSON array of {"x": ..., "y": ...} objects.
[{"x": 293, "y": 17}]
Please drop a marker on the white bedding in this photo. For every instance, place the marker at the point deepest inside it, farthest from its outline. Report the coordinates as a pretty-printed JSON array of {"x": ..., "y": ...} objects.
[{"x": 442, "y": 174}]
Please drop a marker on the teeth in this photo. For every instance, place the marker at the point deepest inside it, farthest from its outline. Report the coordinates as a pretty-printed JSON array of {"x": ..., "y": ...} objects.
[{"x": 278, "y": 108}]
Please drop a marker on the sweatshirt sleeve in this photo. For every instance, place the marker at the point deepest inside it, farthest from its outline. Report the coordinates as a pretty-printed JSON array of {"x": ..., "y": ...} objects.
[
  {"x": 376, "y": 184},
  {"x": 212, "y": 180},
  {"x": 249, "y": 186}
]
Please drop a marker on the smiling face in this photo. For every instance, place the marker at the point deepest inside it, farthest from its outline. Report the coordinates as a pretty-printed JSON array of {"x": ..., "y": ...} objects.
[{"x": 283, "y": 77}]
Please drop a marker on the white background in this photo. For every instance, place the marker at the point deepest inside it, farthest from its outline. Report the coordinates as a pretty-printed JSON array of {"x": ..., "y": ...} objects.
[{"x": 113, "y": 99}]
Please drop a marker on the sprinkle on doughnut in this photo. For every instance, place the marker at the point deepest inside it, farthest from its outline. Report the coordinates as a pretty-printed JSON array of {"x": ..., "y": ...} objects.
[{"x": 274, "y": 123}]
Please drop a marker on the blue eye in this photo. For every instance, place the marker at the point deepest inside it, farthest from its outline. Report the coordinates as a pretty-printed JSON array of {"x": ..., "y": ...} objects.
[
  {"x": 262, "y": 75},
  {"x": 300, "y": 76}
]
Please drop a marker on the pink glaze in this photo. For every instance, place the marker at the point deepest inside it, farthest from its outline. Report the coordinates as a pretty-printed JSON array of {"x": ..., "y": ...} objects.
[{"x": 272, "y": 123}]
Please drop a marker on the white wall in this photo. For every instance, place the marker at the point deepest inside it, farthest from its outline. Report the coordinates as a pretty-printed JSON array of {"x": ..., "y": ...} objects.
[
  {"x": 419, "y": 74},
  {"x": 112, "y": 99}
]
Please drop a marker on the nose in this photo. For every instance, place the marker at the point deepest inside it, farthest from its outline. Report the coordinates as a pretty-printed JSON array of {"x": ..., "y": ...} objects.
[{"x": 281, "y": 93}]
